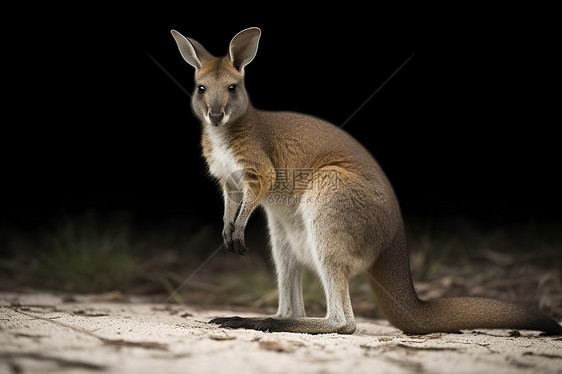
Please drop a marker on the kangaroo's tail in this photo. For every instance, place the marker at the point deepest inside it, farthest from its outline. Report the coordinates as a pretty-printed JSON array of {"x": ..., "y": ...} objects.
[{"x": 391, "y": 282}]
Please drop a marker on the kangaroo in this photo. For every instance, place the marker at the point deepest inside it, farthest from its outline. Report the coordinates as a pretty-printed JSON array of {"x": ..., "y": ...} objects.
[{"x": 329, "y": 207}]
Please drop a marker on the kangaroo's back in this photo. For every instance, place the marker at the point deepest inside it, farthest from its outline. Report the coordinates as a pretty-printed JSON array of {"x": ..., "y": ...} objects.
[{"x": 294, "y": 140}]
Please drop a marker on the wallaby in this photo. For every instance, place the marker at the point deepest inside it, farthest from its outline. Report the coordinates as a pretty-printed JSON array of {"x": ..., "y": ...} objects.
[{"x": 329, "y": 207}]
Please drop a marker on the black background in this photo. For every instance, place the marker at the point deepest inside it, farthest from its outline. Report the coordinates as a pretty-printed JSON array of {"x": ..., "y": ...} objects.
[{"x": 468, "y": 126}]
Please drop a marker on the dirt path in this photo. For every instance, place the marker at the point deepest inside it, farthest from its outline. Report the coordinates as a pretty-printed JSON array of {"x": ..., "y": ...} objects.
[{"x": 42, "y": 333}]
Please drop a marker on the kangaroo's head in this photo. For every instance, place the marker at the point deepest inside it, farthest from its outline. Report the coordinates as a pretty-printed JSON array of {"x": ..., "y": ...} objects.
[{"x": 220, "y": 96}]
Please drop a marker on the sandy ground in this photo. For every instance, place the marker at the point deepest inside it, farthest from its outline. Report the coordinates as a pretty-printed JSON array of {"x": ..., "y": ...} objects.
[{"x": 43, "y": 333}]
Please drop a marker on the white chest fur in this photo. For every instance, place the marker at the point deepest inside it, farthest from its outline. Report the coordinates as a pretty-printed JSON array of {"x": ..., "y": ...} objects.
[{"x": 222, "y": 163}]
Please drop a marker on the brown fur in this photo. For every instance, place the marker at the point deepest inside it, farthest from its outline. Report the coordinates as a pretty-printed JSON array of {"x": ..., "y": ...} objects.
[{"x": 352, "y": 224}]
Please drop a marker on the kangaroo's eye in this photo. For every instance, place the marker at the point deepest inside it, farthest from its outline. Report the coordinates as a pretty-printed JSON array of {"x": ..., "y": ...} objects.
[
  {"x": 232, "y": 88},
  {"x": 201, "y": 89}
]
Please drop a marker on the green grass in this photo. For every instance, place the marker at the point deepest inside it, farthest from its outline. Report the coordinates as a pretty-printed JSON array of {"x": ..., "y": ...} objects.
[{"x": 87, "y": 254}]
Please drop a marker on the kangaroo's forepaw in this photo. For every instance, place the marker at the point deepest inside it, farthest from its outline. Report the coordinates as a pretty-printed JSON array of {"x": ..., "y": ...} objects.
[{"x": 233, "y": 239}]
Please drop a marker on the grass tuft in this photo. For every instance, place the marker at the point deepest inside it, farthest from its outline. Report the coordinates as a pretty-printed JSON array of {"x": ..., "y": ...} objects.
[{"x": 87, "y": 254}]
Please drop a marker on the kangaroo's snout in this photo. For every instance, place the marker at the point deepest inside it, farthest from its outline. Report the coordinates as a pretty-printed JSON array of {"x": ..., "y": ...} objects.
[{"x": 216, "y": 118}]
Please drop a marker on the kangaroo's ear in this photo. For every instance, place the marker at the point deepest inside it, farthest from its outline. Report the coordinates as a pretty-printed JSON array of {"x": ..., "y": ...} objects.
[
  {"x": 243, "y": 47},
  {"x": 191, "y": 50}
]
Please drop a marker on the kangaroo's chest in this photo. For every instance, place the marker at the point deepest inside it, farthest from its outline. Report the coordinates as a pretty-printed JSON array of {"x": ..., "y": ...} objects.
[{"x": 219, "y": 155}]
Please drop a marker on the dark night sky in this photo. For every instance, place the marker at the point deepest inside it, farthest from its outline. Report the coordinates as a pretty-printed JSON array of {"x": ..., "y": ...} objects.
[{"x": 467, "y": 126}]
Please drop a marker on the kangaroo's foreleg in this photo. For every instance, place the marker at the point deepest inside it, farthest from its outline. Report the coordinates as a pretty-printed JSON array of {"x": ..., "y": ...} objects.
[{"x": 242, "y": 196}]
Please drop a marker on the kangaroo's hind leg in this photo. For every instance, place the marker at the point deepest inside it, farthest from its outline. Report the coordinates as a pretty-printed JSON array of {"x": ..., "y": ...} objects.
[
  {"x": 289, "y": 272},
  {"x": 326, "y": 247},
  {"x": 289, "y": 279}
]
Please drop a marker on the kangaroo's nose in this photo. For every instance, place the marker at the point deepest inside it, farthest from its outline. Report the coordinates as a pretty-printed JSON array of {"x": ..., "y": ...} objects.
[{"x": 216, "y": 117}]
